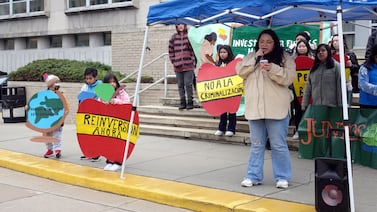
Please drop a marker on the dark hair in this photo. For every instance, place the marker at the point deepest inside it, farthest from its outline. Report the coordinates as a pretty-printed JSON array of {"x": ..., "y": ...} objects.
[
  {"x": 344, "y": 42},
  {"x": 277, "y": 54},
  {"x": 329, "y": 60},
  {"x": 309, "y": 53},
  {"x": 230, "y": 54},
  {"x": 110, "y": 76},
  {"x": 91, "y": 71},
  {"x": 370, "y": 60},
  {"x": 304, "y": 34},
  {"x": 184, "y": 29},
  {"x": 211, "y": 37}
]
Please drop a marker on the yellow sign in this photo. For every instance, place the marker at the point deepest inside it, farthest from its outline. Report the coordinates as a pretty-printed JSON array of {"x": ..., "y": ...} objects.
[
  {"x": 302, "y": 77},
  {"x": 106, "y": 126},
  {"x": 221, "y": 88}
]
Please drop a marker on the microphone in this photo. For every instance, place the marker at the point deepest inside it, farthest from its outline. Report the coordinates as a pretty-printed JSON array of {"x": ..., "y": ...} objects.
[{"x": 258, "y": 59}]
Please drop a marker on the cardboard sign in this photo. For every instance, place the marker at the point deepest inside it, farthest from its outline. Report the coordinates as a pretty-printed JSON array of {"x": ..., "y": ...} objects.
[
  {"x": 46, "y": 111},
  {"x": 219, "y": 88},
  {"x": 104, "y": 91},
  {"x": 303, "y": 66},
  {"x": 102, "y": 129},
  {"x": 86, "y": 95}
]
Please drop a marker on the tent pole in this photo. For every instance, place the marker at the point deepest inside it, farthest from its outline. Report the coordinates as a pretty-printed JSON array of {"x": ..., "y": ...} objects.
[
  {"x": 345, "y": 107},
  {"x": 135, "y": 102}
]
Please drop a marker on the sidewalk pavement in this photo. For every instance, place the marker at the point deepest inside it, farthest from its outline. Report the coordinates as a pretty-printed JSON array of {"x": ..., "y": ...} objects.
[
  {"x": 195, "y": 175},
  {"x": 21, "y": 192}
]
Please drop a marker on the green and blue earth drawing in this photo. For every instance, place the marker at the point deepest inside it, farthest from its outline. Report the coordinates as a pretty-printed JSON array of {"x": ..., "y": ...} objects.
[{"x": 45, "y": 109}]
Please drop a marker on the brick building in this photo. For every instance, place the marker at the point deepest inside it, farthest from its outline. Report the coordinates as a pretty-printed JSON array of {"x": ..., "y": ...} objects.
[{"x": 108, "y": 31}]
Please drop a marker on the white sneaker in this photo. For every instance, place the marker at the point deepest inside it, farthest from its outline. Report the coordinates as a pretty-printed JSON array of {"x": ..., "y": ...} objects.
[
  {"x": 295, "y": 136},
  {"x": 219, "y": 133},
  {"x": 282, "y": 184},
  {"x": 115, "y": 167},
  {"x": 246, "y": 182},
  {"x": 107, "y": 167},
  {"x": 229, "y": 133}
]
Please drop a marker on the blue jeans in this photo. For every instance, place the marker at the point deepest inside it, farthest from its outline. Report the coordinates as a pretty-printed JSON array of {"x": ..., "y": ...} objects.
[{"x": 277, "y": 131}]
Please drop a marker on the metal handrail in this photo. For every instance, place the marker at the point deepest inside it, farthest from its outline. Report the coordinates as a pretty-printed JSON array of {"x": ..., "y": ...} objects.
[
  {"x": 146, "y": 65},
  {"x": 155, "y": 83},
  {"x": 164, "y": 78}
]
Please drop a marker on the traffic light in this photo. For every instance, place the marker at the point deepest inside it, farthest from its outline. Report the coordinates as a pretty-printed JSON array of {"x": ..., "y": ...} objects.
[{"x": 331, "y": 185}]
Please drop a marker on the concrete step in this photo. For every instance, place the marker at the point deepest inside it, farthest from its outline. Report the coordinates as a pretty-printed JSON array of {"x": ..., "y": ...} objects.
[
  {"x": 203, "y": 135},
  {"x": 193, "y": 124},
  {"x": 210, "y": 123},
  {"x": 193, "y": 133},
  {"x": 172, "y": 111}
]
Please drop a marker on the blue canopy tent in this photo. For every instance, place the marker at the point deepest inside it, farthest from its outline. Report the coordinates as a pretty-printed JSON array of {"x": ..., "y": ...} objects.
[{"x": 263, "y": 13}]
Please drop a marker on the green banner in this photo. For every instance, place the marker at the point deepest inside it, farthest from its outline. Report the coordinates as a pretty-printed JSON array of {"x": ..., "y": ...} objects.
[
  {"x": 244, "y": 38},
  {"x": 317, "y": 132}
]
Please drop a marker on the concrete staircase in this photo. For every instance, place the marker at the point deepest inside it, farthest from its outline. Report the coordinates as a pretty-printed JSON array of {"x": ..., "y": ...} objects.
[
  {"x": 191, "y": 124},
  {"x": 167, "y": 120}
]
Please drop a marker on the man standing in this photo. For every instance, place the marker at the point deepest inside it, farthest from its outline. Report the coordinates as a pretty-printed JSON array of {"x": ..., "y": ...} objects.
[{"x": 182, "y": 57}]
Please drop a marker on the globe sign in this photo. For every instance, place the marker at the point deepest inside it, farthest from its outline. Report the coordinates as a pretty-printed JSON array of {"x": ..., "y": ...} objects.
[{"x": 45, "y": 111}]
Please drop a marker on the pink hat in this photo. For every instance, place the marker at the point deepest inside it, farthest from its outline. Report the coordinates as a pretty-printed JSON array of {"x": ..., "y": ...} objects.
[{"x": 51, "y": 80}]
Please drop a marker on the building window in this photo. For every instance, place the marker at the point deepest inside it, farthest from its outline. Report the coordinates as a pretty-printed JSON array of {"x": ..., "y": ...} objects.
[
  {"x": 8, "y": 44},
  {"x": 31, "y": 43},
  {"x": 107, "y": 38},
  {"x": 76, "y": 3},
  {"x": 36, "y": 5},
  {"x": 95, "y": 2},
  {"x": 11, "y": 7},
  {"x": 82, "y": 40},
  {"x": 89, "y": 3},
  {"x": 19, "y": 6},
  {"x": 56, "y": 41},
  {"x": 4, "y": 7}
]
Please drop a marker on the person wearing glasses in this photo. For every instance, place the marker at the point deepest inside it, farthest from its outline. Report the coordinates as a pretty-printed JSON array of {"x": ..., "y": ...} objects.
[{"x": 268, "y": 72}]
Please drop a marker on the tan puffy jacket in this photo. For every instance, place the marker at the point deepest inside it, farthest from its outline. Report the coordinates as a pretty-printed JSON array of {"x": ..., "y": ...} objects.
[{"x": 267, "y": 95}]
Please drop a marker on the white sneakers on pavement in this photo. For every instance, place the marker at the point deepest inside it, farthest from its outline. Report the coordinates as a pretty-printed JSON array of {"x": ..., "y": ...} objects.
[
  {"x": 112, "y": 167},
  {"x": 282, "y": 184},
  {"x": 246, "y": 182}
]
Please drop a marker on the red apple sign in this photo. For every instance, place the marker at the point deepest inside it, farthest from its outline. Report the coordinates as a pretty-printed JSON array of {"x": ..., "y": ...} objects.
[
  {"x": 219, "y": 88},
  {"x": 102, "y": 129}
]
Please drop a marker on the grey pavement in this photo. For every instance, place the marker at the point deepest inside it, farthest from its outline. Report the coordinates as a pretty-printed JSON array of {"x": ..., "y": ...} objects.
[
  {"x": 23, "y": 192},
  {"x": 202, "y": 163}
]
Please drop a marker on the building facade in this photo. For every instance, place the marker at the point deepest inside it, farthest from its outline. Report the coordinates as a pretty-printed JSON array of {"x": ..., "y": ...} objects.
[{"x": 107, "y": 31}]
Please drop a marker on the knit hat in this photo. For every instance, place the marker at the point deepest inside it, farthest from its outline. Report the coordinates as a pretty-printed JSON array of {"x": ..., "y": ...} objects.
[{"x": 51, "y": 80}]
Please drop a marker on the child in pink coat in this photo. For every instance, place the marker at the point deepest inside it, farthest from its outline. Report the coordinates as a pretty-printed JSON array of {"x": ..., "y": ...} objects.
[{"x": 120, "y": 97}]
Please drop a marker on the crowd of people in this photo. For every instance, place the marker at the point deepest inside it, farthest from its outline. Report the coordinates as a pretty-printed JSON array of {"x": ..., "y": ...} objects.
[
  {"x": 268, "y": 74},
  {"x": 120, "y": 96},
  {"x": 271, "y": 103}
]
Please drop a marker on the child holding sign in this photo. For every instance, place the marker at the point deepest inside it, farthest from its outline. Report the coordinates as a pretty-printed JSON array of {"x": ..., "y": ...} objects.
[
  {"x": 52, "y": 84},
  {"x": 120, "y": 97},
  {"x": 91, "y": 81},
  {"x": 226, "y": 56}
]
